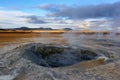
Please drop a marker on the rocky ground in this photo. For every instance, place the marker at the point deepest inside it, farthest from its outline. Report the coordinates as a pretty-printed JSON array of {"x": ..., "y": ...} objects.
[{"x": 37, "y": 61}]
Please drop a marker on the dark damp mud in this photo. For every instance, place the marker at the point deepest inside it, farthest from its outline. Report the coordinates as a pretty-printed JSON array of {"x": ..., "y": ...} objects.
[{"x": 53, "y": 55}]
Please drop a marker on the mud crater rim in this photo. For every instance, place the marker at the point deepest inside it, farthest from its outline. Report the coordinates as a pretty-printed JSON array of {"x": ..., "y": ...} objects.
[{"x": 54, "y": 55}]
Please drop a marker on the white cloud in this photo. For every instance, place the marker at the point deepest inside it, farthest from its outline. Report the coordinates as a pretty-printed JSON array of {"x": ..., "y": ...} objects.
[
  {"x": 11, "y": 19},
  {"x": 96, "y": 23}
]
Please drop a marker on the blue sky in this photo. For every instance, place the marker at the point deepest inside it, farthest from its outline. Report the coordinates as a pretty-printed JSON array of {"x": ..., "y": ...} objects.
[
  {"x": 52, "y": 13},
  {"x": 7, "y": 3},
  {"x": 25, "y": 5}
]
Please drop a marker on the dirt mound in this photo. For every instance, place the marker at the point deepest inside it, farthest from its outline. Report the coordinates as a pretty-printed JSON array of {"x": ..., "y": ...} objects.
[{"x": 59, "y": 62}]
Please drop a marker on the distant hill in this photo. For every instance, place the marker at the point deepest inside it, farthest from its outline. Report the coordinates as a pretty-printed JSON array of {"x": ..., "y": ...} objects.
[
  {"x": 27, "y": 28},
  {"x": 2, "y": 29},
  {"x": 22, "y": 28},
  {"x": 41, "y": 28},
  {"x": 67, "y": 29}
]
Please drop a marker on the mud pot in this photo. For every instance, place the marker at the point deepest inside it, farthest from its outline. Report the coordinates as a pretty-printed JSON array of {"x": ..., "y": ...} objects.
[
  {"x": 56, "y": 55},
  {"x": 38, "y": 59}
]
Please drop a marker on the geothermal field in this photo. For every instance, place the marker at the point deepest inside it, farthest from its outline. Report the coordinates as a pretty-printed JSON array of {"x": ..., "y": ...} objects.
[{"x": 59, "y": 56}]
